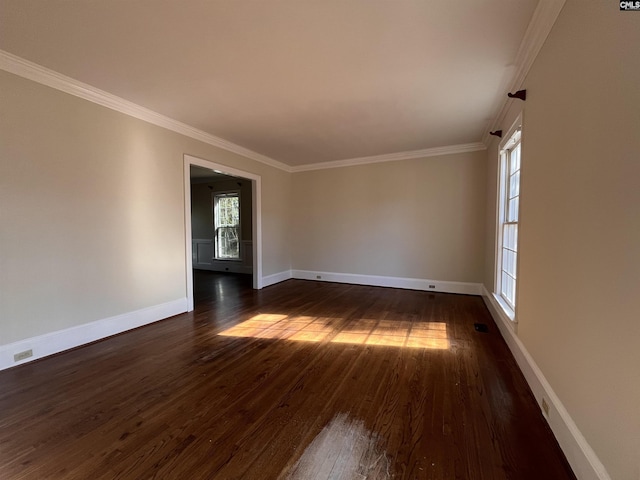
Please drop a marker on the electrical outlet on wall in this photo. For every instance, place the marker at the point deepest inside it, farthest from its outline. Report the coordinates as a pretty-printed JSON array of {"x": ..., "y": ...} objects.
[{"x": 22, "y": 355}]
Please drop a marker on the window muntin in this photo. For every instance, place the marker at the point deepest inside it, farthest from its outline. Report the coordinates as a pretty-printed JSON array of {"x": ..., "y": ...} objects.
[{"x": 226, "y": 208}]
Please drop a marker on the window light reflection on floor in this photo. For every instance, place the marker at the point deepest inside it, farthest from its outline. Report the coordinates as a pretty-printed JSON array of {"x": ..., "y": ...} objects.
[{"x": 431, "y": 335}]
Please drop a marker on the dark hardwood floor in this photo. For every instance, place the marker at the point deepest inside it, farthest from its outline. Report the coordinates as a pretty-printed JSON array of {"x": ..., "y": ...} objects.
[{"x": 301, "y": 380}]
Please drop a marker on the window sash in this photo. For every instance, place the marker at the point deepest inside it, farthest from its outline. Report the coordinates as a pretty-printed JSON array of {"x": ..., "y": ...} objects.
[
  {"x": 508, "y": 218},
  {"x": 227, "y": 226},
  {"x": 512, "y": 183},
  {"x": 227, "y": 243},
  {"x": 509, "y": 254}
]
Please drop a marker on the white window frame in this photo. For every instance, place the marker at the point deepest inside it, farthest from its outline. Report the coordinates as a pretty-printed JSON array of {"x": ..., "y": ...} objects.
[
  {"x": 512, "y": 139},
  {"x": 214, "y": 200}
]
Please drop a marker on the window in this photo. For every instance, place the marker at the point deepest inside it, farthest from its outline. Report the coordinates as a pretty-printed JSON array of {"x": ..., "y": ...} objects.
[
  {"x": 508, "y": 213},
  {"x": 226, "y": 219}
]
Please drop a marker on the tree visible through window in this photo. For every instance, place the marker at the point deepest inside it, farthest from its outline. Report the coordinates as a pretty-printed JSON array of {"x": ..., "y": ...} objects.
[{"x": 227, "y": 225}]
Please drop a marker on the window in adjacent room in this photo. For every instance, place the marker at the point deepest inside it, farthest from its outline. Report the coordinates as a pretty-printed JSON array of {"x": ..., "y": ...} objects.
[
  {"x": 226, "y": 218},
  {"x": 508, "y": 213}
]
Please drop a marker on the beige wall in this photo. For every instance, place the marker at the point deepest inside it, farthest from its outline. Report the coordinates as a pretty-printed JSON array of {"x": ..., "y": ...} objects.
[
  {"x": 421, "y": 218},
  {"x": 92, "y": 211},
  {"x": 579, "y": 271}
]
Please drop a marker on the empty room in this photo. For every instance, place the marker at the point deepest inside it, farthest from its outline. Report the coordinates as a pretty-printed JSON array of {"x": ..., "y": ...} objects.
[{"x": 305, "y": 239}]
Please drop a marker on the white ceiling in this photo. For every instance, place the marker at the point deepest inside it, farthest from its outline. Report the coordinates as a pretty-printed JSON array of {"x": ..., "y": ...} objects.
[{"x": 299, "y": 81}]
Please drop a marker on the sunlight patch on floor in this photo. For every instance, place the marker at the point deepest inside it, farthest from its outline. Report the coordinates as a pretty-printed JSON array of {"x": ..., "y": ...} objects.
[{"x": 386, "y": 333}]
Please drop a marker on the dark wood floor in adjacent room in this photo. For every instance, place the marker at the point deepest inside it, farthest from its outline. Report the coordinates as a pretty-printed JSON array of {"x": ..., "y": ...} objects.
[{"x": 302, "y": 380}]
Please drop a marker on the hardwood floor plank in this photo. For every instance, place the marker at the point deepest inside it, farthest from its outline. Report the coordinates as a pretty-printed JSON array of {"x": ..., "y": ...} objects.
[{"x": 299, "y": 380}]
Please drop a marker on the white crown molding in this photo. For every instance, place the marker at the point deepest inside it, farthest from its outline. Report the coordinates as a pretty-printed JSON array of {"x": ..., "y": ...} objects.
[
  {"x": 32, "y": 71},
  {"x": 392, "y": 157},
  {"x": 544, "y": 17},
  {"x": 37, "y": 73},
  {"x": 541, "y": 24}
]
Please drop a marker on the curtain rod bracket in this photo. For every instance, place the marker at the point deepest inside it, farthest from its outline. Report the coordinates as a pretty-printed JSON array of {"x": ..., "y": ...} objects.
[{"x": 521, "y": 94}]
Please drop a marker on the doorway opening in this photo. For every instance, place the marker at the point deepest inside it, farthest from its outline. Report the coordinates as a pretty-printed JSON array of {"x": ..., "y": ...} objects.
[{"x": 222, "y": 222}]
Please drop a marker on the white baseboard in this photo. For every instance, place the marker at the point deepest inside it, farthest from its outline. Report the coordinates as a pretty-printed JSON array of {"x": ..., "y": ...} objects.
[
  {"x": 376, "y": 281},
  {"x": 276, "y": 278},
  {"x": 583, "y": 460},
  {"x": 231, "y": 267},
  {"x": 395, "y": 282},
  {"x": 61, "y": 340}
]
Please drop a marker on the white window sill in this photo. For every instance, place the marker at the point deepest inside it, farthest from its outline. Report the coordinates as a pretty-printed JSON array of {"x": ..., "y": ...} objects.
[{"x": 506, "y": 311}]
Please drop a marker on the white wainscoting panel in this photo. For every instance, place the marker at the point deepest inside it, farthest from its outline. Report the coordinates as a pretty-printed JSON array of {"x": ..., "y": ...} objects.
[
  {"x": 202, "y": 249},
  {"x": 247, "y": 253},
  {"x": 202, "y": 254}
]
